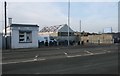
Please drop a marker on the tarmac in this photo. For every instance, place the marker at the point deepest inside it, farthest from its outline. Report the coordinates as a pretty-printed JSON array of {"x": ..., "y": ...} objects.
[{"x": 42, "y": 53}]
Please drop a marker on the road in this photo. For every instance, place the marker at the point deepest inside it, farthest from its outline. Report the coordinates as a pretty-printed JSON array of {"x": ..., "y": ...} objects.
[
  {"x": 22, "y": 55},
  {"x": 75, "y": 60},
  {"x": 93, "y": 64}
]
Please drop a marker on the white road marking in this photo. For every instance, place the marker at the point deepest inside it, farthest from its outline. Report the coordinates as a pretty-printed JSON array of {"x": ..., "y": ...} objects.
[
  {"x": 74, "y": 56},
  {"x": 24, "y": 61},
  {"x": 36, "y": 59},
  {"x": 86, "y": 54},
  {"x": 89, "y": 52},
  {"x": 106, "y": 51},
  {"x": 99, "y": 53},
  {"x": 65, "y": 53},
  {"x": 36, "y": 56}
]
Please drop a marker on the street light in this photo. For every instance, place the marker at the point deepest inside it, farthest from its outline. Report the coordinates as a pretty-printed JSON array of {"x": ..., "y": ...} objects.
[
  {"x": 5, "y": 5},
  {"x": 80, "y": 31},
  {"x": 68, "y": 21}
]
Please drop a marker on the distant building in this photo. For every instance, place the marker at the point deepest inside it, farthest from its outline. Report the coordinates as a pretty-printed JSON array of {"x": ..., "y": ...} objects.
[
  {"x": 101, "y": 39},
  {"x": 22, "y": 36},
  {"x": 58, "y": 33},
  {"x": 107, "y": 30},
  {"x": 105, "y": 38},
  {"x": 116, "y": 37}
]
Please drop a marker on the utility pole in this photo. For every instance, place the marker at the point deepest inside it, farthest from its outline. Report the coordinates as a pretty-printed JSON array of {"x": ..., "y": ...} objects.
[
  {"x": 111, "y": 30},
  {"x": 80, "y": 31},
  {"x": 5, "y": 4},
  {"x": 68, "y": 21}
]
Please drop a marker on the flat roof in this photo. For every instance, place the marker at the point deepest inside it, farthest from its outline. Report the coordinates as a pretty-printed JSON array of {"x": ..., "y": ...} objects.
[{"x": 23, "y": 25}]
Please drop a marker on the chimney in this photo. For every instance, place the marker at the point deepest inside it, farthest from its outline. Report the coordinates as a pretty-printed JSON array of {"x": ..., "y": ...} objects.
[{"x": 10, "y": 21}]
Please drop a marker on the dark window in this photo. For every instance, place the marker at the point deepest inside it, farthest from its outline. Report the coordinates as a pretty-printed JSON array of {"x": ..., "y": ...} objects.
[
  {"x": 25, "y": 36},
  {"x": 65, "y": 34}
]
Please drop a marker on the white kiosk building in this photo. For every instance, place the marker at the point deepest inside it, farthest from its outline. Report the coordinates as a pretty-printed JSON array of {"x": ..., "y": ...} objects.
[{"x": 23, "y": 36}]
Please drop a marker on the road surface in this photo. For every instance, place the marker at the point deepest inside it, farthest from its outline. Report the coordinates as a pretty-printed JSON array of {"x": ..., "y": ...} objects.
[
  {"x": 75, "y": 60},
  {"x": 93, "y": 64},
  {"x": 22, "y": 55}
]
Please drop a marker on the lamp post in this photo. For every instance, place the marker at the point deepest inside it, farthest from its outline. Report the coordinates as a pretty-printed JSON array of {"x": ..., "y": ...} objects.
[
  {"x": 80, "y": 31},
  {"x": 5, "y": 4},
  {"x": 68, "y": 21}
]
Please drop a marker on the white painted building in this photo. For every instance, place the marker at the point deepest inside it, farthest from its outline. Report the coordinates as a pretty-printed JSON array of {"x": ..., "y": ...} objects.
[
  {"x": 23, "y": 35},
  {"x": 58, "y": 33},
  {"x": 44, "y": 37}
]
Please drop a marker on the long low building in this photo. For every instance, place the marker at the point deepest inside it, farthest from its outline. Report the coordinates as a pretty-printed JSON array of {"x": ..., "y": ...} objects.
[
  {"x": 101, "y": 39},
  {"x": 105, "y": 38}
]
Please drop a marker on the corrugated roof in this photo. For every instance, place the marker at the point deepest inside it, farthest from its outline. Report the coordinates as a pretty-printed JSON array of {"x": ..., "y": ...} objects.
[
  {"x": 57, "y": 28},
  {"x": 51, "y": 28},
  {"x": 23, "y": 25}
]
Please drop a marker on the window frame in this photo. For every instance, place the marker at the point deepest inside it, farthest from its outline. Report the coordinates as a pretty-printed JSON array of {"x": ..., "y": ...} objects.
[{"x": 25, "y": 33}]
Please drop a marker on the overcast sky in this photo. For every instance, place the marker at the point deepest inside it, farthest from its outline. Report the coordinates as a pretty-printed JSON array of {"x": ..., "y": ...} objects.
[{"x": 95, "y": 16}]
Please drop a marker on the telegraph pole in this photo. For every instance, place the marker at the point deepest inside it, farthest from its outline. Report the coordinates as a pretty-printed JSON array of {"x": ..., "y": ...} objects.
[
  {"x": 5, "y": 4},
  {"x": 80, "y": 31},
  {"x": 68, "y": 21}
]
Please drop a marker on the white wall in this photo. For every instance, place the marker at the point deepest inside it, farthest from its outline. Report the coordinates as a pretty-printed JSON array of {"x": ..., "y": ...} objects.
[
  {"x": 62, "y": 38},
  {"x": 41, "y": 38},
  {"x": 15, "y": 39}
]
